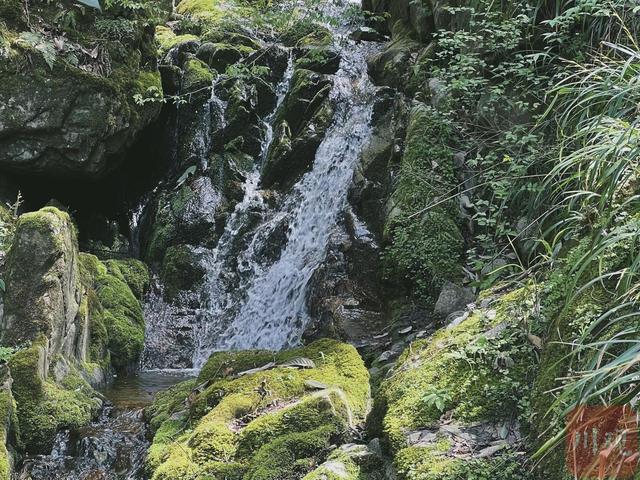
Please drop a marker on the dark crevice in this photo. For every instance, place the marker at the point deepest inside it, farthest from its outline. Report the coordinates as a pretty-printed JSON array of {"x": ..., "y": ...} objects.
[{"x": 95, "y": 203}]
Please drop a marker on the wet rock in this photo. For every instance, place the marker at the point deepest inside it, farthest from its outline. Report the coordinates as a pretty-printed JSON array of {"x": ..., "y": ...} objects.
[
  {"x": 219, "y": 56},
  {"x": 345, "y": 296},
  {"x": 301, "y": 123},
  {"x": 274, "y": 57},
  {"x": 367, "y": 34},
  {"x": 372, "y": 180},
  {"x": 453, "y": 298},
  {"x": 320, "y": 60},
  {"x": 174, "y": 325},
  {"x": 188, "y": 214},
  {"x": 244, "y": 129},
  {"x": 182, "y": 269}
]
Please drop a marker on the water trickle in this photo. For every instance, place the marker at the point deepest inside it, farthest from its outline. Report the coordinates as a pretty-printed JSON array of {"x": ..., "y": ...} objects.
[
  {"x": 214, "y": 110},
  {"x": 281, "y": 92}
]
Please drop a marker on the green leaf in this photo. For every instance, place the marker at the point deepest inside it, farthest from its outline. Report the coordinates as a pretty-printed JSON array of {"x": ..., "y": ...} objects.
[
  {"x": 91, "y": 3},
  {"x": 2, "y": 285},
  {"x": 185, "y": 176}
]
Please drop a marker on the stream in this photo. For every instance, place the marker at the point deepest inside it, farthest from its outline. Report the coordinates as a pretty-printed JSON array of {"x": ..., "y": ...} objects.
[{"x": 114, "y": 445}]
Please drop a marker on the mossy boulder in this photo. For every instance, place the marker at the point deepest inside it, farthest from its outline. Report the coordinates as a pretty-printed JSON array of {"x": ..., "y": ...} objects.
[
  {"x": 115, "y": 311},
  {"x": 43, "y": 284},
  {"x": 301, "y": 123},
  {"x": 196, "y": 76},
  {"x": 274, "y": 423},
  {"x": 68, "y": 106},
  {"x": 44, "y": 406},
  {"x": 477, "y": 374},
  {"x": 167, "y": 39}
]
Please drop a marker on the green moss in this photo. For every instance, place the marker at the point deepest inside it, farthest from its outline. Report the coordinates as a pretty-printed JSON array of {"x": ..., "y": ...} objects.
[
  {"x": 167, "y": 39},
  {"x": 275, "y": 435},
  {"x": 8, "y": 423},
  {"x": 427, "y": 248},
  {"x": 209, "y": 10},
  {"x": 313, "y": 412},
  {"x": 479, "y": 370},
  {"x": 90, "y": 269},
  {"x": 114, "y": 291},
  {"x": 196, "y": 75},
  {"x": 290, "y": 456},
  {"x": 44, "y": 407},
  {"x": 133, "y": 272}
]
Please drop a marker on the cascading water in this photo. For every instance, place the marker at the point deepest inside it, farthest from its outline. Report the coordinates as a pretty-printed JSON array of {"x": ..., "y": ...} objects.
[{"x": 266, "y": 308}]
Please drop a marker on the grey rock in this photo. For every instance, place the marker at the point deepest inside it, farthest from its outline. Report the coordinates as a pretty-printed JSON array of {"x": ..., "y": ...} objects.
[
  {"x": 453, "y": 298},
  {"x": 366, "y": 34}
]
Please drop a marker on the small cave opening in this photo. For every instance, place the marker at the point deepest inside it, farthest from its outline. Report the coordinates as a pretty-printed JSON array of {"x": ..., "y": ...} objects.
[{"x": 102, "y": 208}]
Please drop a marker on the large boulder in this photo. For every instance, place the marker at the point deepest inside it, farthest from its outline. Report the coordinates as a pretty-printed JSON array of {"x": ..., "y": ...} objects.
[
  {"x": 71, "y": 90},
  {"x": 69, "y": 320},
  {"x": 43, "y": 285},
  {"x": 259, "y": 414}
]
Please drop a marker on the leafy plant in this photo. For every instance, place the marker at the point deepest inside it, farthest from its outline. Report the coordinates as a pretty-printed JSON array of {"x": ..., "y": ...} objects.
[{"x": 436, "y": 398}]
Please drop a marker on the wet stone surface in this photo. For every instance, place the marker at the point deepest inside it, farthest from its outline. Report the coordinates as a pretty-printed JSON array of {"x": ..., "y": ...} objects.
[{"x": 113, "y": 447}]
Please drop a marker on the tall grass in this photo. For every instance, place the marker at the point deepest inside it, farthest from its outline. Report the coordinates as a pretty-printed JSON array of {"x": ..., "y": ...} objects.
[{"x": 596, "y": 180}]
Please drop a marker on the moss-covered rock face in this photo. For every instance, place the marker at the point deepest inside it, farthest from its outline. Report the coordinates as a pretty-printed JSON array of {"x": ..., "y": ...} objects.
[
  {"x": 114, "y": 310},
  {"x": 277, "y": 422},
  {"x": 476, "y": 374},
  {"x": 66, "y": 99},
  {"x": 45, "y": 406},
  {"x": 426, "y": 246},
  {"x": 43, "y": 284},
  {"x": 301, "y": 122},
  {"x": 71, "y": 318}
]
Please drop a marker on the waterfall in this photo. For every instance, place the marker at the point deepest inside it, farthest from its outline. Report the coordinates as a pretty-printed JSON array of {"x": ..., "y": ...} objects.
[{"x": 265, "y": 306}]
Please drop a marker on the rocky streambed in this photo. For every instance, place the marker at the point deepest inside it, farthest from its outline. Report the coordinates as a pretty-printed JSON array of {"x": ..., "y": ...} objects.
[{"x": 114, "y": 445}]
